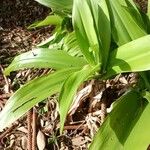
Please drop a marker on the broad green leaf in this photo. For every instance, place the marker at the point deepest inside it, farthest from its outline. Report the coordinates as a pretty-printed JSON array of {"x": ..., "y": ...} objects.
[
  {"x": 141, "y": 128},
  {"x": 124, "y": 27},
  {"x": 132, "y": 4},
  {"x": 32, "y": 93},
  {"x": 49, "y": 20},
  {"x": 84, "y": 28},
  {"x": 134, "y": 12},
  {"x": 69, "y": 89},
  {"x": 126, "y": 127},
  {"x": 60, "y": 6},
  {"x": 103, "y": 30},
  {"x": 45, "y": 58},
  {"x": 146, "y": 20},
  {"x": 89, "y": 19},
  {"x": 131, "y": 57}
]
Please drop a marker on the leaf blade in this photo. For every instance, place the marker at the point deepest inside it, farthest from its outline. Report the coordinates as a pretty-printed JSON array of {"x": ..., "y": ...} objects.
[
  {"x": 44, "y": 58},
  {"x": 136, "y": 58},
  {"x": 27, "y": 96},
  {"x": 61, "y": 7},
  {"x": 124, "y": 27},
  {"x": 82, "y": 28},
  {"x": 49, "y": 20},
  {"x": 69, "y": 89},
  {"x": 115, "y": 131},
  {"x": 88, "y": 22}
]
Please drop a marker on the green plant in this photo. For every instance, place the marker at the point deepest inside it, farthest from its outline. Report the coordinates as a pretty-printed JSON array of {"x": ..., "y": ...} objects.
[{"x": 87, "y": 51}]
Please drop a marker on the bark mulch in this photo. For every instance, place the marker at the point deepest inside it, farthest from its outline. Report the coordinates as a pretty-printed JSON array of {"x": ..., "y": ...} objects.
[{"x": 86, "y": 114}]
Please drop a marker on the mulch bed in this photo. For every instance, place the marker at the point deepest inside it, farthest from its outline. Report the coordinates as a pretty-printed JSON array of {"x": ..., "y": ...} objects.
[{"x": 82, "y": 122}]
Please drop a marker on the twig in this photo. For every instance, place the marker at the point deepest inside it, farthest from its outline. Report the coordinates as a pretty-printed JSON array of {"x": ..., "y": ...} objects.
[
  {"x": 79, "y": 127},
  {"x": 34, "y": 116},
  {"x": 29, "y": 119},
  {"x": 74, "y": 127}
]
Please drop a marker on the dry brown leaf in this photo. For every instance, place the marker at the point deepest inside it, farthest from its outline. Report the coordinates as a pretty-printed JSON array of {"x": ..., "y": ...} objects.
[
  {"x": 123, "y": 80},
  {"x": 81, "y": 95},
  {"x": 91, "y": 122},
  {"x": 12, "y": 140},
  {"x": 22, "y": 129},
  {"x": 41, "y": 140},
  {"x": 24, "y": 142},
  {"x": 78, "y": 141}
]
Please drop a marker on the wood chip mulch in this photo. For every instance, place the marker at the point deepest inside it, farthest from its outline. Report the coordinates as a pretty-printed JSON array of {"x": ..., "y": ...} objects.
[{"x": 86, "y": 114}]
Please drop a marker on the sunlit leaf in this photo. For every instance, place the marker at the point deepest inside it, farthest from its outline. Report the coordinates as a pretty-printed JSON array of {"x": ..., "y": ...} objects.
[
  {"x": 132, "y": 9},
  {"x": 124, "y": 27},
  {"x": 69, "y": 90},
  {"x": 89, "y": 19},
  {"x": 131, "y": 57},
  {"x": 60, "y": 6},
  {"x": 45, "y": 58},
  {"x": 32, "y": 93},
  {"x": 84, "y": 29},
  {"x": 103, "y": 29},
  {"x": 126, "y": 127},
  {"x": 49, "y": 20}
]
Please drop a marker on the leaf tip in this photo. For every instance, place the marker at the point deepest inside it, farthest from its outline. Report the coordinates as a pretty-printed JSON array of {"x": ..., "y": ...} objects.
[{"x": 6, "y": 72}]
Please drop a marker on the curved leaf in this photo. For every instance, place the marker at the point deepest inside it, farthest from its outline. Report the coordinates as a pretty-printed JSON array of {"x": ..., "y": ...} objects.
[
  {"x": 127, "y": 125},
  {"x": 131, "y": 57},
  {"x": 69, "y": 89},
  {"x": 84, "y": 29},
  {"x": 103, "y": 29},
  {"x": 45, "y": 58},
  {"x": 32, "y": 93},
  {"x": 49, "y": 20},
  {"x": 89, "y": 18},
  {"x": 62, "y": 6},
  {"x": 135, "y": 13},
  {"x": 125, "y": 28}
]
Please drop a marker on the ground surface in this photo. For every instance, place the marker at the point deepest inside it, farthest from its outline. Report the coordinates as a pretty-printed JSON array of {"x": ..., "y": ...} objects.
[{"x": 85, "y": 116}]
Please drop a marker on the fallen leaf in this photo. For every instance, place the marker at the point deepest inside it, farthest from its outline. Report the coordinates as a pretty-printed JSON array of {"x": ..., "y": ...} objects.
[{"x": 41, "y": 140}]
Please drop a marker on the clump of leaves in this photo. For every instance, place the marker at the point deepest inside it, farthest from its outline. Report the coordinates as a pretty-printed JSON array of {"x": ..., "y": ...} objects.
[{"x": 82, "y": 48}]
